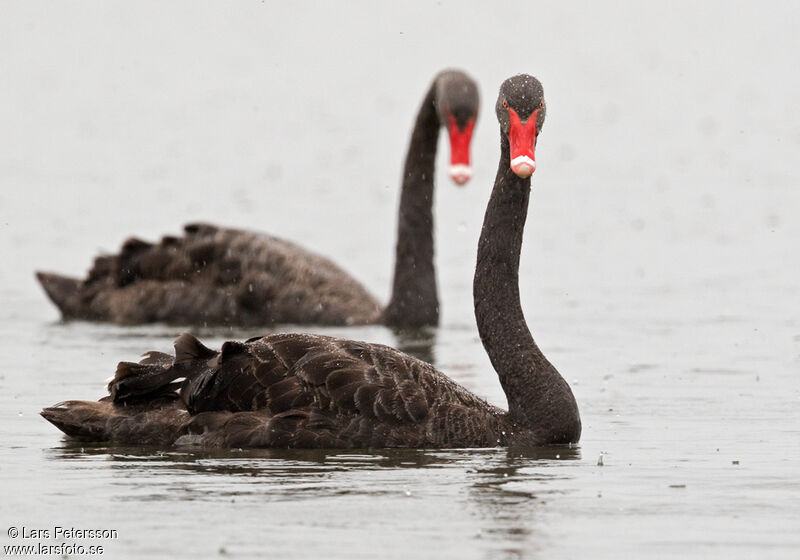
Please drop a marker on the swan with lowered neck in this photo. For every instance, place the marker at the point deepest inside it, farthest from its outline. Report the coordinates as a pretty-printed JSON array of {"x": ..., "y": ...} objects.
[
  {"x": 297, "y": 390},
  {"x": 222, "y": 276}
]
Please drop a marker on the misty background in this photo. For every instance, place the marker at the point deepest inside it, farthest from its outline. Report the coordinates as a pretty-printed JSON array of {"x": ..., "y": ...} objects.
[{"x": 659, "y": 269}]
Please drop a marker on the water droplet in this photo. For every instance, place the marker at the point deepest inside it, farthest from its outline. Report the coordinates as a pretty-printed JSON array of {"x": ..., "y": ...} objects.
[{"x": 250, "y": 287}]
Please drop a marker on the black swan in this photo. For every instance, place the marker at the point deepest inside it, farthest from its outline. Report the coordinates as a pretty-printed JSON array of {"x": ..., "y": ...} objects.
[
  {"x": 300, "y": 390},
  {"x": 220, "y": 276}
]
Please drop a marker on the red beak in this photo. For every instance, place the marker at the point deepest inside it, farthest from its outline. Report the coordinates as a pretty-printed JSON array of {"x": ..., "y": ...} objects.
[
  {"x": 460, "y": 170},
  {"x": 522, "y": 139}
]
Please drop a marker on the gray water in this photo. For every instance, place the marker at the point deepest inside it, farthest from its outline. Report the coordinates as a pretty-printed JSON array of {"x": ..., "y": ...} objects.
[{"x": 659, "y": 271}]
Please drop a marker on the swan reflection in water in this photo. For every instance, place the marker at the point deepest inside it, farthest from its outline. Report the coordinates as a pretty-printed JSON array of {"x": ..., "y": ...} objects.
[
  {"x": 417, "y": 342},
  {"x": 502, "y": 491}
]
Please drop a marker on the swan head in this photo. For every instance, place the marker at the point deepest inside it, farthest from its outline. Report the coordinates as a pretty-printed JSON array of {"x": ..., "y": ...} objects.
[
  {"x": 521, "y": 110},
  {"x": 457, "y": 103}
]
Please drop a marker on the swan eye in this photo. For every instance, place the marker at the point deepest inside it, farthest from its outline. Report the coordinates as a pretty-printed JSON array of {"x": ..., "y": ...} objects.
[{"x": 505, "y": 104}]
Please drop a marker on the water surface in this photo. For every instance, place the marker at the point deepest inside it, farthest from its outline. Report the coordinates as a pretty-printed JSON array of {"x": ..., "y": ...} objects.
[{"x": 659, "y": 269}]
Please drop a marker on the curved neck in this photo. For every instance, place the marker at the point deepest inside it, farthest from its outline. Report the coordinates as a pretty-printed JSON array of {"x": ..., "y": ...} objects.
[
  {"x": 414, "y": 301},
  {"x": 538, "y": 397}
]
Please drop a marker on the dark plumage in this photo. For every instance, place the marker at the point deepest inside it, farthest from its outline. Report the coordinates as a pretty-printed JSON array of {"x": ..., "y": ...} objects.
[
  {"x": 213, "y": 275},
  {"x": 284, "y": 390},
  {"x": 221, "y": 276},
  {"x": 295, "y": 390}
]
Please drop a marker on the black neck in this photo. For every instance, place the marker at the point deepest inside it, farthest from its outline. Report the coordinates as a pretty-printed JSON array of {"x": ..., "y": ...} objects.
[
  {"x": 538, "y": 397},
  {"x": 414, "y": 302}
]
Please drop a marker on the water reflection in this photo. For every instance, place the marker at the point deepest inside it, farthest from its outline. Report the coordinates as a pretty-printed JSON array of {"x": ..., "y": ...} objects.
[
  {"x": 332, "y": 458},
  {"x": 416, "y": 342},
  {"x": 503, "y": 491},
  {"x": 510, "y": 492},
  {"x": 419, "y": 343}
]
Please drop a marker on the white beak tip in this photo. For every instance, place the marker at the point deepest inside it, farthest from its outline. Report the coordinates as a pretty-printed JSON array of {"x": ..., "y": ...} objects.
[
  {"x": 523, "y": 166},
  {"x": 460, "y": 173}
]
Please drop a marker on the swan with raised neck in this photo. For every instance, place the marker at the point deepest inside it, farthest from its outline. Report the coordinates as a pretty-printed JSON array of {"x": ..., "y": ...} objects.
[
  {"x": 299, "y": 390},
  {"x": 223, "y": 276},
  {"x": 540, "y": 401}
]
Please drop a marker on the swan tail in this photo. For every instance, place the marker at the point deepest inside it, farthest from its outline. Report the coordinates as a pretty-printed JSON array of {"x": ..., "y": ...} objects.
[
  {"x": 159, "y": 422},
  {"x": 63, "y": 291},
  {"x": 81, "y": 420}
]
